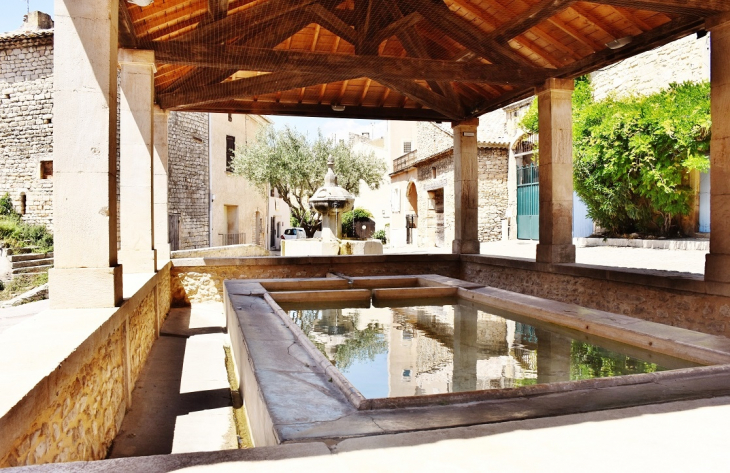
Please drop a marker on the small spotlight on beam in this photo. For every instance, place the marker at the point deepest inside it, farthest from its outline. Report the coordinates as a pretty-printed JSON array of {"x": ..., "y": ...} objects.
[
  {"x": 141, "y": 3},
  {"x": 338, "y": 108},
  {"x": 620, "y": 43}
]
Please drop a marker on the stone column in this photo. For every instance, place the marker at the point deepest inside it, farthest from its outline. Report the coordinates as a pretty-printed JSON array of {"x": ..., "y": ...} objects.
[
  {"x": 86, "y": 274},
  {"x": 137, "y": 90},
  {"x": 717, "y": 266},
  {"x": 159, "y": 188},
  {"x": 556, "y": 172},
  {"x": 553, "y": 357},
  {"x": 466, "y": 188}
]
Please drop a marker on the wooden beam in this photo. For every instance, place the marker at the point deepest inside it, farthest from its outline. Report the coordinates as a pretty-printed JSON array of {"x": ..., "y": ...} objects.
[
  {"x": 660, "y": 36},
  {"x": 332, "y": 23},
  {"x": 677, "y": 7},
  {"x": 534, "y": 15},
  {"x": 127, "y": 35},
  {"x": 424, "y": 96},
  {"x": 259, "y": 85},
  {"x": 316, "y": 110},
  {"x": 395, "y": 28},
  {"x": 598, "y": 22},
  {"x": 217, "y": 9},
  {"x": 463, "y": 32},
  {"x": 270, "y": 60}
]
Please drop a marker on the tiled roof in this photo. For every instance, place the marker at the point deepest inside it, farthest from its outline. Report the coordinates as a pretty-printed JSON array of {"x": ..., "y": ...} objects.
[{"x": 18, "y": 35}]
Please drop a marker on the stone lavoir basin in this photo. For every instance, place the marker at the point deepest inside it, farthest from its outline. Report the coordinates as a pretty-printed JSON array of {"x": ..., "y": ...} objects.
[{"x": 339, "y": 357}]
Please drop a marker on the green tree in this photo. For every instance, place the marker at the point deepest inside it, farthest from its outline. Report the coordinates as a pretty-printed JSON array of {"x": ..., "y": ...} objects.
[
  {"x": 632, "y": 156},
  {"x": 349, "y": 218},
  {"x": 295, "y": 167}
]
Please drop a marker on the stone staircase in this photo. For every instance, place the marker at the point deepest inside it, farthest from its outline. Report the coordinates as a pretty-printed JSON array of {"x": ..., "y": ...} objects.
[{"x": 23, "y": 261}]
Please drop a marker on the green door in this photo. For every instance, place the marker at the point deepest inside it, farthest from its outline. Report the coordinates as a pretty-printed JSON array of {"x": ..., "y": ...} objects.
[{"x": 528, "y": 202}]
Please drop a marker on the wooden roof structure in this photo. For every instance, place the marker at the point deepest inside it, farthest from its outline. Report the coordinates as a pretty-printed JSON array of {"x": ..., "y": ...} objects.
[{"x": 389, "y": 59}]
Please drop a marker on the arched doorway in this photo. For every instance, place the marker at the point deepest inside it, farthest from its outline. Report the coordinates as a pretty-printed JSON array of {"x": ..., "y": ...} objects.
[{"x": 412, "y": 213}]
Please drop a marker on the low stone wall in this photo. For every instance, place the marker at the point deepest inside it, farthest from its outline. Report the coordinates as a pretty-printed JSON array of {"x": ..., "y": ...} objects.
[
  {"x": 669, "y": 298},
  {"x": 231, "y": 251},
  {"x": 79, "y": 368},
  {"x": 195, "y": 280}
]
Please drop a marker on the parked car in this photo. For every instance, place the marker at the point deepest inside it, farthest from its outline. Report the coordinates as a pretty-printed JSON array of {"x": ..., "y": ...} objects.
[{"x": 293, "y": 234}]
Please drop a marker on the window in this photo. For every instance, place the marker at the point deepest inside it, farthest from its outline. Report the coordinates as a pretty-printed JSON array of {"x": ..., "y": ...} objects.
[
  {"x": 23, "y": 201},
  {"x": 406, "y": 147},
  {"x": 46, "y": 169},
  {"x": 230, "y": 148},
  {"x": 433, "y": 173}
]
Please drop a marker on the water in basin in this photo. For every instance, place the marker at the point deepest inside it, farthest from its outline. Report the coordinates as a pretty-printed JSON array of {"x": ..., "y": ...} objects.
[{"x": 432, "y": 347}]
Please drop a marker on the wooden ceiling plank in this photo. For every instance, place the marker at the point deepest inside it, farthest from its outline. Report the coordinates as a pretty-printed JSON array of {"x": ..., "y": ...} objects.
[
  {"x": 599, "y": 23},
  {"x": 127, "y": 33},
  {"x": 631, "y": 18},
  {"x": 217, "y": 9},
  {"x": 271, "y": 60},
  {"x": 677, "y": 7},
  {"x": 364, "y": 92},
  {"x": 395, "y": 27},
  {"x": 575, "y": 33},
  {"x": 259, "y": 85}
]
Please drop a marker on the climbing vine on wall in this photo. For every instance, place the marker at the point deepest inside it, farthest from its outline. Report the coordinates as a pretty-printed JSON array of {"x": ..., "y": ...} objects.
[{"x": 632, "y": 156}]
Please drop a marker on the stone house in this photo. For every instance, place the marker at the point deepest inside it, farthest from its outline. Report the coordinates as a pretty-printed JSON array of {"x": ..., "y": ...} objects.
[{"x": 204, "y": 200}]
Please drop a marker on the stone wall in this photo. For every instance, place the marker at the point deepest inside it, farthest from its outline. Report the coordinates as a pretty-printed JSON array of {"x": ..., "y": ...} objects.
[
  {"x": 73, "y": 411},
  {"x": 196, "y": 280},
  {"x": 640, "y": 294},
  {"x": 26, "y": 122},
  {"x": 188, "y": 176},
  {"x": 493, "y": 192},
  {"x": 432, "y": 138},
  {"x": 687, "y": 59}
]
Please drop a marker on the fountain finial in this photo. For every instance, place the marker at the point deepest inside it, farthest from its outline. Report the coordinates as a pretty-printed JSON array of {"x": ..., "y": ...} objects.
[{"x": 330, "y": 179}]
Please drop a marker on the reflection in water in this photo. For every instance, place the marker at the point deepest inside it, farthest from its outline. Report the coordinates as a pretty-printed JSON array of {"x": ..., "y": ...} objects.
[{"x": 393, "y": 352}]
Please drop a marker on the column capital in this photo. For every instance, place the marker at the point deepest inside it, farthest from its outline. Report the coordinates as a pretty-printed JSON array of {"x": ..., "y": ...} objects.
[
  {"x": 556, "y": 84},
  {"x": 468, "y": 122},
  {"x": 137, "y": 57}
]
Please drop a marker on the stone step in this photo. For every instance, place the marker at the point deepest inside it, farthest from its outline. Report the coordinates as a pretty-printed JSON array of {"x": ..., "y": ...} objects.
[
  {"x": 33, "y": 262},
  {"x": 33, "y": 269},
  {"x": 29, "y": 256}
]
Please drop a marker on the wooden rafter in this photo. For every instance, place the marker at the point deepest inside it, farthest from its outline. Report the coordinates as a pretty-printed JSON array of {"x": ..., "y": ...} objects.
[
  {"x": 217, "y": 9},
  {"x": 678, "y": 7},
  {"x": 534, "y": 15},
  {"x": 331, "y": 22},
  {"x": 423, "y": 95},
  {"x": 127, "y": 34}
]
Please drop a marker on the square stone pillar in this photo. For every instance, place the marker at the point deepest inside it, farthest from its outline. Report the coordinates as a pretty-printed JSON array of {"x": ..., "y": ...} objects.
[
  {"x": 717, "y": 265},
  {"x": 137, "y": 91},
  {"x": 466, "y": 188},
  {"x": 556, "y": 172},
  {"x": 86, "y": 274},
  {"x": 159, "y": 188}
]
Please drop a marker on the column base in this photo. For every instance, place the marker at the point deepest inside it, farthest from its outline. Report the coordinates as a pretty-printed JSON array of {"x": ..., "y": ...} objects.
[
  {"x": 163, "y": 255},
  {"x": 717, "y": 268},
  {"x": 138, "y": 261},
  {"x": 555, "y": 254},
  {"x": 85, "y": 288},
  {"x": 465, "y": 247}
]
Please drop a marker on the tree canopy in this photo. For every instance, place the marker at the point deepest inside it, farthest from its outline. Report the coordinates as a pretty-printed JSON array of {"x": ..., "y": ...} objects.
[
  {"x": 632, "y": 156},
  {"x": 295, "y": 167}
]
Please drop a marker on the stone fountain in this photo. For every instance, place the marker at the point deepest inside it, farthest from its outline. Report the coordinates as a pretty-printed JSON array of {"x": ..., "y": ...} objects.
[{"x": 331, "y": 201}]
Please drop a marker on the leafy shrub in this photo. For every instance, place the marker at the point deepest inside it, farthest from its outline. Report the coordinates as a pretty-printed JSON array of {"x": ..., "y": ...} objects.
[
  {"x": 380, "y": 235},
  {"x": 16, "y": 234},
  {"x": 6, "y": 205},
  {"x": 349, "y": 219}
]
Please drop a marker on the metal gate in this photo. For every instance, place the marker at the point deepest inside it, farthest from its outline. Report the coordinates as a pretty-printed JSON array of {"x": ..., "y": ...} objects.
[
  {"x": 705, "y": 202},
  {"x": 411, "y": 223},
  {"x": 173, "y": 228},
  {"x": 528, "y": 202}
]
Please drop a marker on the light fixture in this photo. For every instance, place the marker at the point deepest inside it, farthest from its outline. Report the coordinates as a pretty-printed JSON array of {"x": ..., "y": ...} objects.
[
  {"x": 338, "y": 108},
  {"x": 141, "y": 3},
  {"x": 620, "y": 43}
]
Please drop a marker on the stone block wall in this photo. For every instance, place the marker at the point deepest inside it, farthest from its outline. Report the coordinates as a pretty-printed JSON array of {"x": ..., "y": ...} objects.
[
  {"x": 26, "y": 122},
  {"x": 687, "y": 59},
  {"x": 432, "y": 138},
  {"x": 188, "y": 176},
  {"x": 74, "y": 412},
  {"x": 493, "y": 192}
]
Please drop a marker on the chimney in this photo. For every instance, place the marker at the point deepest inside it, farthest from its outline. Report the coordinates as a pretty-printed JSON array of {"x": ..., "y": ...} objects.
[{"x": 35, "y": 21}]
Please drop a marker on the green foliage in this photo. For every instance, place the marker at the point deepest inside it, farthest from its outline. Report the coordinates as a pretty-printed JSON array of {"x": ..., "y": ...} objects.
[
  {"x": 361, "y": 345},
  {"x": 349, "y": 218},
  {"x": 16, "y": 234},
  {"x": 632, "y": 157},
  {"x": 6, "y": 206},
  {"x": 589, "y": 361},
  {"x": 296, "y": 167},
  {"x": 21, "y": 284},
  {"x": 380, "y": 235}
]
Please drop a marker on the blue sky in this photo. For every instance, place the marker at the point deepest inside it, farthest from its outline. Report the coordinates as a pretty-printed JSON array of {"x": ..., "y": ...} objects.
[{"x": 11, "y": 17}]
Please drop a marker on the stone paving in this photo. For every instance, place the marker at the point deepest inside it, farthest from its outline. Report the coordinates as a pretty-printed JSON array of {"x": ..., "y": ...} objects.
[{"x": 690, "y": 261}]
